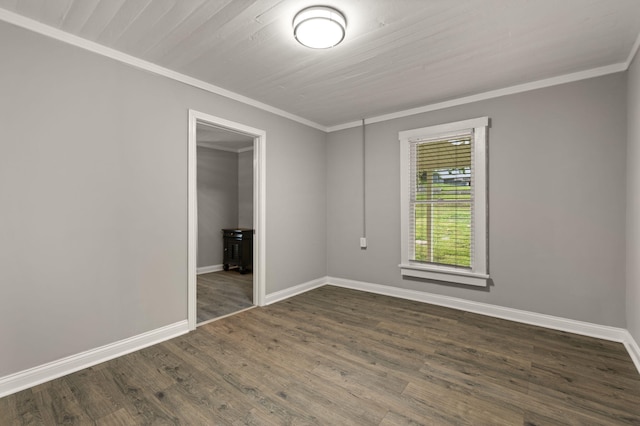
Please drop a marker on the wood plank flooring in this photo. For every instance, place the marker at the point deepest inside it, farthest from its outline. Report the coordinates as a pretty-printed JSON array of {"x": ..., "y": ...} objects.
[
  {"x": 341, "y": 357},
  {"x": 223, "y": 293}
]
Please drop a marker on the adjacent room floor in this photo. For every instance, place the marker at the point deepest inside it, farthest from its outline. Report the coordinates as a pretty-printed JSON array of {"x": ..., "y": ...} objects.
[
  {"x": 223, "y": 293},
  {"x": 341, "y": 357}
]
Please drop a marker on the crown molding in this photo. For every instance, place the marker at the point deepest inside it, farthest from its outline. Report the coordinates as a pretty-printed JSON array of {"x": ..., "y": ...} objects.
[
  {"x": 520, "y": 88},
  {"x": 46, "y": 30},
  {"x": 634, "y": 52}
]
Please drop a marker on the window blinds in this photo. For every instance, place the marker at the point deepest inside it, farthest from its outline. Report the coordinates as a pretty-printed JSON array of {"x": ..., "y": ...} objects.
[{"x": 441, "y": 200}]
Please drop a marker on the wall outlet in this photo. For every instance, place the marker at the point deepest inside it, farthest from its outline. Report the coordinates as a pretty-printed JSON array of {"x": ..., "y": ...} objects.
[{"x": 363, "y": 242}]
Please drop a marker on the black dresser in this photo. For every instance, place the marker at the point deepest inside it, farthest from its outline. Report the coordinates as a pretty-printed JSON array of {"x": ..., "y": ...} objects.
[{"x": 238, "y": 249}]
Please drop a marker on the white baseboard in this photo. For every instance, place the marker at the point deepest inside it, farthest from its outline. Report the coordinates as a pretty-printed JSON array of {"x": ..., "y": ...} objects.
[
  {"x": 52, "y": 370},
  {"x": 46, "y": 372},
  {"x": 207, "y": 269},
  {"x": 548, "y": 321},
  {"x": 633, "y": 349},
  {"x": 294, "y": 291}
]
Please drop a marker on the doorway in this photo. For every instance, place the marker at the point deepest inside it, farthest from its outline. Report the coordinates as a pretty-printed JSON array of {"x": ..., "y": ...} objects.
[{"x": 218, "y": 146}]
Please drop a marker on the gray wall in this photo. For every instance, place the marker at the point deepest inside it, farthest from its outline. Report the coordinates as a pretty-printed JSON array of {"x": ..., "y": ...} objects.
[
  {"x": 217, "y": 201},
  {"x": 556, "y": 200},
  {"x": 633, "y": 199},
  {"x": 93, "y": 189},
  {"x": 245, "y": 189}
]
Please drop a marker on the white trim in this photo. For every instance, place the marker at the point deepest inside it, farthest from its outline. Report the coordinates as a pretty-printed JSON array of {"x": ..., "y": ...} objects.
[
  {"x": 520, "y": 88},
  {"x": 634, "y": 52},
  {"x": 295, "y": 290},
  {"x": 633, "y": 349},
  {"x": 212, "y": 145},
  {"x": 259, "y": 211},
  {"x": 207, "y": 145},
  {"x": 541, "y": 320},
  {"x": 480, "y": 266},
  {"x": 208, "y": 269},
  {"x": 613, "y": 334},
  {"x": 405, "y": 182},
  {"x": 52, "y": 370},
  {"x": 260, "y": 218},
  {"x": 480, "y": 197},
  {"x": 348, "y": 125},
  {"x": 444, "y": 274},
  {"x": 34, "y": 376},
  {"x": 444, "y": 129},
  {"x": 46, "y": 30},
  {"x": 192, "y": 221}
]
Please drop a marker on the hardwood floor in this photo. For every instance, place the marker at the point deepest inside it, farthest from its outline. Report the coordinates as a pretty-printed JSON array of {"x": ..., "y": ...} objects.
[
  {"x": 223, "y": 293},
  {"x": 341, "y": 357}
]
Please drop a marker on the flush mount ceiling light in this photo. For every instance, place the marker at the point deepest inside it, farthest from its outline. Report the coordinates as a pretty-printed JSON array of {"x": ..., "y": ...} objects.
[{"x": 319, "y": 27}]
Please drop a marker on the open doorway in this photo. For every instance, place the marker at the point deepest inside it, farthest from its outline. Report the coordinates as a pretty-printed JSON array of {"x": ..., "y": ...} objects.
[
  {"x": 226, "y": 217},
  {"x": 225, "y": 222}
]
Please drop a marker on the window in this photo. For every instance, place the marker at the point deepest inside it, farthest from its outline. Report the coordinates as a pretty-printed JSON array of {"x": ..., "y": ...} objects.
[{"x": 444, "y": 202}]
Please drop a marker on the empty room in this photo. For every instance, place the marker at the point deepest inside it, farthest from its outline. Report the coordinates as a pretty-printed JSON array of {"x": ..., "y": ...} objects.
[{"x": 430, "y": 212}]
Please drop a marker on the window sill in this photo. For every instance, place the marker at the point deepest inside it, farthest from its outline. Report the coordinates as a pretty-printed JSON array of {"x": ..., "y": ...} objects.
[{"x": 444, "y": 274}]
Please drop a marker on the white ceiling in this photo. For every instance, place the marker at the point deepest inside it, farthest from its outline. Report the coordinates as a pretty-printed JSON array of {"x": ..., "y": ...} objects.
[{"x": 397, "y": 55}]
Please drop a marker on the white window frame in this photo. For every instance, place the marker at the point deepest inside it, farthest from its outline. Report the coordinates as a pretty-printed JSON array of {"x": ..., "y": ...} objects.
[{"x": 479, "y": 273}]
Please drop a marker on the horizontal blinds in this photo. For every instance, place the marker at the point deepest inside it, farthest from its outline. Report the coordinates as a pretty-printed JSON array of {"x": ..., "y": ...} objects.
[{"x": 441, "y": 200}]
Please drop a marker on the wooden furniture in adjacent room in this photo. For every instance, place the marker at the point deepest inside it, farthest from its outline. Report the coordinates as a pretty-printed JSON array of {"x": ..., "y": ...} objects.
[{"x": 238, "y": 249}]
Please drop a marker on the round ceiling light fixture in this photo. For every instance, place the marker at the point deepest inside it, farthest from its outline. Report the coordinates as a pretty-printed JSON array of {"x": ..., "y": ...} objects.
[{"x": 319, "y": 27}]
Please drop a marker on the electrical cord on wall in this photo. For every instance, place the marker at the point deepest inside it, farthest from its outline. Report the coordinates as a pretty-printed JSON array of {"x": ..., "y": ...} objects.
[{"x": 363, "y": 239}]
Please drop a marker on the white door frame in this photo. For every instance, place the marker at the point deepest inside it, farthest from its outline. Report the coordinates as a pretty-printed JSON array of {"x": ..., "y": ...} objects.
[{"x": 259, "y": 211}]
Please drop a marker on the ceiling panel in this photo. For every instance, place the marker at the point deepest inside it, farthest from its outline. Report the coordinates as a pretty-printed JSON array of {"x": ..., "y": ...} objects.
[{"x": 397, "y": 54}]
